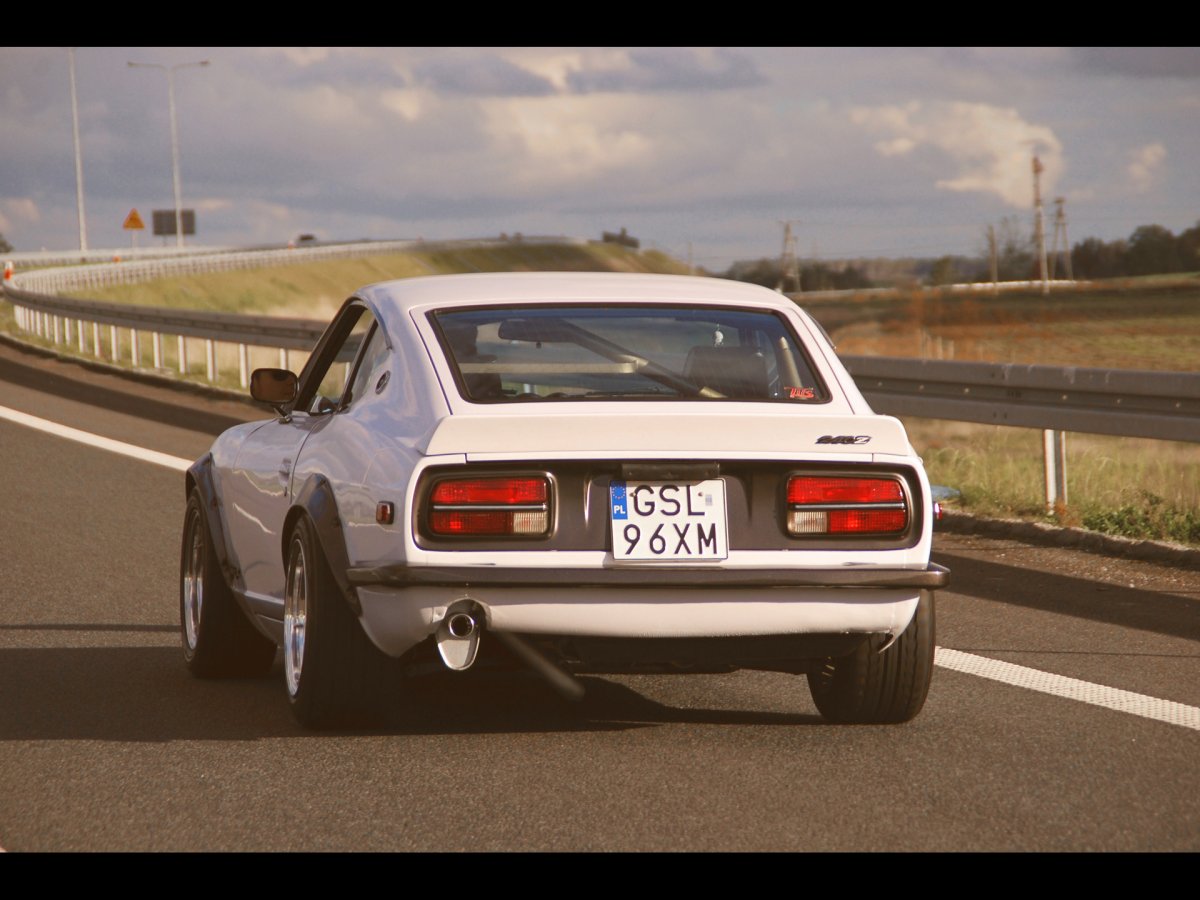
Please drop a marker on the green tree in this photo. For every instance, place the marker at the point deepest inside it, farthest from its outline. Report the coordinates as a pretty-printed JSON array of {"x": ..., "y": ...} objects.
[
  {"x": 1188, "y": 243},
  {"x": 1014, "y": 251},
  {"x": 763, "y": 271},
  {"x": 1152, "y": 250},
  {"x": 944, "y": 271},
  {"x": 5, "y": 246},
  {"x": 1093, "y": 258}
]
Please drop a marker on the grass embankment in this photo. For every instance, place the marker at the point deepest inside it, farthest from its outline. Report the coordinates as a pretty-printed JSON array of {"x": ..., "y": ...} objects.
[
  {"x": 1126, "y": 486},
  {"x": 1131, "y": 487},
  {"x": 316, "y": 290}
]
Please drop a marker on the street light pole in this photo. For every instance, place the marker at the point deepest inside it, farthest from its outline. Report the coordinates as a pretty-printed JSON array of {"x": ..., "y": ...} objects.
[
  {"x": 170, "y": 70},
  {"x": 78, "y": 157}
]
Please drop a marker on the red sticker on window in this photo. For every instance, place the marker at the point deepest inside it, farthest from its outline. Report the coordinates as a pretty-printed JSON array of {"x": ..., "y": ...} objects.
[{"x": 800, "y": 393}]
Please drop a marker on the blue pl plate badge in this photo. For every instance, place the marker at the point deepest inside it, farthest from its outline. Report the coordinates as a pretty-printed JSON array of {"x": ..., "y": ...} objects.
[{"x": 616, "y": 494}]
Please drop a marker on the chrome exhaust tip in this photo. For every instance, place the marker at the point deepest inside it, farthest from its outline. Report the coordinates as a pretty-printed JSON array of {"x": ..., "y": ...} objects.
[
  {"x": 458, "y": 635},
  {"x": 460, "y": 625}
]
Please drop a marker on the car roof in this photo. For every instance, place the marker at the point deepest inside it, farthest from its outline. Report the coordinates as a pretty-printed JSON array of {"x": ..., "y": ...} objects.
[{"x": 571, "y": 287}]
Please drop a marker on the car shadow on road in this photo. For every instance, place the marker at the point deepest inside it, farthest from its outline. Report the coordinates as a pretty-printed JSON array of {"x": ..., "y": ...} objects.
[
  {"x": 133, "y": 694},
  {"x": 1100, "y": 601},
  {"x": 74, "y": 380},
  {"x": 520, "y": 701}
]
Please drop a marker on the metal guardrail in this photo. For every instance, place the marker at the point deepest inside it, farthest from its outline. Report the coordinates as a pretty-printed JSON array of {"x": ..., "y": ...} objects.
[
  {"x": 1163, "y": 405},
  {"x": 135, "y": 262},
  {"x": 265, "y": 331},
  {"x": 94, "y": 275},
  {"x": 52, "y": 318}
]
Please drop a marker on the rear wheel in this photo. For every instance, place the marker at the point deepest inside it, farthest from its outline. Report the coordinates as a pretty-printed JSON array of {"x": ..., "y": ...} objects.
[
  {"x": 869, "y": 686},
  {"x": 334, "y": 674},
  {"x": 218, "y": 639}
]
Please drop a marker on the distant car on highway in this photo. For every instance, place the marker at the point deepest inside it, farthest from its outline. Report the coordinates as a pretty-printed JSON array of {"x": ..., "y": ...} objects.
[{"x": 579, "y": 472}]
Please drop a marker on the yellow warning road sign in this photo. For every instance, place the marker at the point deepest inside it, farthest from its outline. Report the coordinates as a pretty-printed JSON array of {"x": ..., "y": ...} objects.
[{"x": 133, "y": 222}]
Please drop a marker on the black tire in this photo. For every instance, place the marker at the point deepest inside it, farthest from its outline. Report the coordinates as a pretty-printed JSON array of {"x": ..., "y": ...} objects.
[
  {"x": 218, "y": 640},
  {"x": 870, "y": 687},
  {"x": 334, "y": 674}
]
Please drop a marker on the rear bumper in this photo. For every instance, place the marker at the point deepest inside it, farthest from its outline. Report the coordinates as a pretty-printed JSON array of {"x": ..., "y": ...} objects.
[
  {"x": 931, "y": 577},
  {"x": 402, "y": 611}
]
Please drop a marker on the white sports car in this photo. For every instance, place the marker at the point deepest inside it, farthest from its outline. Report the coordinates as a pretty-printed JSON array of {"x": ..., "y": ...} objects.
[{"x": 582, "y": 472}]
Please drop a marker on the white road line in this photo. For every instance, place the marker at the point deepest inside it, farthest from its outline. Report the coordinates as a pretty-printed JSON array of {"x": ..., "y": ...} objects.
[
  {"x": 95, "y": 440},
  {"x": 1072, "y": 688}
]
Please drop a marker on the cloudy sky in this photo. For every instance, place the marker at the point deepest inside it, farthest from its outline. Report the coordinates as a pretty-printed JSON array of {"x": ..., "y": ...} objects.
[{"x": 874, "y": 152}]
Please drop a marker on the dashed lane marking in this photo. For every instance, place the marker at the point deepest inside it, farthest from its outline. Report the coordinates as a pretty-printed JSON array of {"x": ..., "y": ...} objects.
[
  {"x": 1072, "y": 688},
  {"x": 95, "y": 440}
]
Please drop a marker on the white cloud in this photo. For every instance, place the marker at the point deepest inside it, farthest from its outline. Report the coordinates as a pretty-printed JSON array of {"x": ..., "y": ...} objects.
[
  {"x": 988, "y": 148},
  {"x": 560, "y": 139},
  {"x": 1146, "y": 166},
  {"x": 212, "y": 204},
  {"x": 557, "y": 65},
  {"x": 304, "y": 56},
  {"x": 408, "y": 103},
  {"x": 14, "y": 210},
  {"x": 896, "y": 146},
  {"x": 668, "y": 69},
  {"x": 262, "y": 220}
]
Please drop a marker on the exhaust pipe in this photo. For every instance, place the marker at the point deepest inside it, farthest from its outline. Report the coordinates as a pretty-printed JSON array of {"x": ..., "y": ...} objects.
[
  {"x": 566, "y": 684},
  {"x": 458, "y": 643},
  {"x": 458, "y": 635}
]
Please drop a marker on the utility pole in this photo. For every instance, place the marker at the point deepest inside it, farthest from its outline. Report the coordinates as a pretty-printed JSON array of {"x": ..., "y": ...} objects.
[
  {"x": 1039, "y": 223},
  {"x": 170, "y": 70},
  {"x": 1060, "y": 224},
  {"x": 78, "y": 156},
  {"x": 993, "y": 257},
  {"x": 789, "y": 265}
]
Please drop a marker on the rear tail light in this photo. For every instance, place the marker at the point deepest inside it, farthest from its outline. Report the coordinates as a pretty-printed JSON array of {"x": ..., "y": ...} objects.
[
  {"x": 842, "y": 504},
  {"x": 467, "y": 507}
]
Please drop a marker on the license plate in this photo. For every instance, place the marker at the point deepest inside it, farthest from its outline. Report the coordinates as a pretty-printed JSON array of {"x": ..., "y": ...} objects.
[{"x": 662, "y": 520}]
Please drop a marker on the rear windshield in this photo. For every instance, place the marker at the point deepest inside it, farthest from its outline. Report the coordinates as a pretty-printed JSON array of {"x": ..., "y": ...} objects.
[{"x": 537, "y": 353}]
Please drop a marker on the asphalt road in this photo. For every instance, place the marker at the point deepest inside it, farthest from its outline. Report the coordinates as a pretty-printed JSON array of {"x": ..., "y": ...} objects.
[{"x": 106, "y": 743}]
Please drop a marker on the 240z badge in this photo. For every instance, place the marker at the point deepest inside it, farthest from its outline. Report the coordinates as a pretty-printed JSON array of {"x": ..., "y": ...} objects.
[{"x": 843, "y": 439}]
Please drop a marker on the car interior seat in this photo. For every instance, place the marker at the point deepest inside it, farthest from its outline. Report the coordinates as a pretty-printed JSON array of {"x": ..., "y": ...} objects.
[{"x": 736, "y": 372}]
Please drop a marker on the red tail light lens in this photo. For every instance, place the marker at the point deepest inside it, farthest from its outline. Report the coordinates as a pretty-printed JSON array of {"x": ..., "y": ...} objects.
[
  {"x": 491, "y": 490},
  {"x": 489, "y": 507},
  {"x": 827, "y": 504},
  {"x": 825, "y": 489}
]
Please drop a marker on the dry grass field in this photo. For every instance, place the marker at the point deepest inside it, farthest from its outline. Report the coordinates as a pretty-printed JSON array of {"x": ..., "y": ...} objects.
[
  {"x": 1135, "y": 328},
  {"x": 1129, "y": 486}
]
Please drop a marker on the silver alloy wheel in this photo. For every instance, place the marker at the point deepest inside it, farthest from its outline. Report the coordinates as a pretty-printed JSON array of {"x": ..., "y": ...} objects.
[
  {"x": 193, "y": 585},
  {"x": 295, "y": 616}
]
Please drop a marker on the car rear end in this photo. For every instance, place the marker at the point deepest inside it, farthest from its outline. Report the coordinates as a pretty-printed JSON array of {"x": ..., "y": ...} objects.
[{"x": 624, "y": 484}]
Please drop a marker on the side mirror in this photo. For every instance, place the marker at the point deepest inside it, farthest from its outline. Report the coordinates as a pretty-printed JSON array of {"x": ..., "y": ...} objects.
[{"x": 276, "y": 387}]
